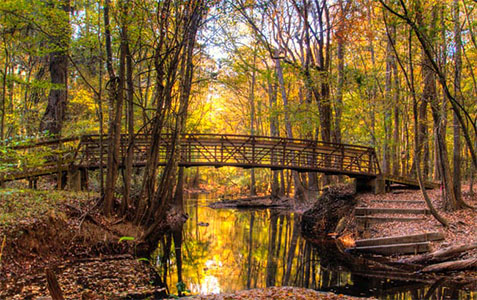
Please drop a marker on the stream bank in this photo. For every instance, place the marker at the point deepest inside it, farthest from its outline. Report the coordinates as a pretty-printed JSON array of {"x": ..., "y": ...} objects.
[{"x": 66, "y": 233}]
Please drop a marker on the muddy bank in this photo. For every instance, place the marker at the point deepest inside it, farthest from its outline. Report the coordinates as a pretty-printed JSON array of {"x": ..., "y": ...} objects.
[
  {"x": 331, "y": 214},
  {"x": 254, "y": 202}
]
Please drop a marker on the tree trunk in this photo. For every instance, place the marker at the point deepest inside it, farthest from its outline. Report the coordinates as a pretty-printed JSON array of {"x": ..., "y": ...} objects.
[
  {"x": 339, "y": 91},
  {"x": 253, "y": 190},
  {"x": 300, "y": 193},
  {"x": 456, "y": 126},
  {"x": 386, "y": 165},
  {"x": 52, "y": 120},
  {"x": 130, "y": 115},
  {"x": 4, "y": 92},
  {"x": 116, "y": 92},
  {"x": 272, "y": 96}
]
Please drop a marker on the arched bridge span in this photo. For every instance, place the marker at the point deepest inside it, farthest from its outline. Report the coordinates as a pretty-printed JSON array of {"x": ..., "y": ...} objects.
[{"x": 217, "y": 150}]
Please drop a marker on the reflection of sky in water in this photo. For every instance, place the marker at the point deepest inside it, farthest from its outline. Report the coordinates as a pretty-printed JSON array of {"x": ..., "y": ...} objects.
[
  {"x": 227, "y": 250},
  {"x": 210, "y": 285}
]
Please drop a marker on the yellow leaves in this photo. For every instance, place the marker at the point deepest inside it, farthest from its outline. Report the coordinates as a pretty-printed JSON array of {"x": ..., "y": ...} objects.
[{"x": 83, "y": 98}]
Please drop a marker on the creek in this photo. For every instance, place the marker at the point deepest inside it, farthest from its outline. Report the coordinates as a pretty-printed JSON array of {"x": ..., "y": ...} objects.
[{"x": 226, "y": 250}]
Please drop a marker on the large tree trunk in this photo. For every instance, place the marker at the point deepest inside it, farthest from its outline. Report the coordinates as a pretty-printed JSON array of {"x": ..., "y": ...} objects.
[{"x": 52, "y": 120}]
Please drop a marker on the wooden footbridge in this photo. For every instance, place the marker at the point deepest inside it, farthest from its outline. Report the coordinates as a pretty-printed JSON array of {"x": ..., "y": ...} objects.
[{"x": 39, "y": 158}]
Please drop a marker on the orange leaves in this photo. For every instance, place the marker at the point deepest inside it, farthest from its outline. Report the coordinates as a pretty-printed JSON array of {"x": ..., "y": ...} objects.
[{"x": 278, "y": 293}]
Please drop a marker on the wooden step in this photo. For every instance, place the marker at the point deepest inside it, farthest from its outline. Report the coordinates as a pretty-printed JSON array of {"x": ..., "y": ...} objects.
[
  {"x": 401, "y": 239},
  {"x": 407, "y": 248},
  {"x": 363, "y": 211},
  {"x": 371, "y": 220},
  {"x": 400, "y": 201}
]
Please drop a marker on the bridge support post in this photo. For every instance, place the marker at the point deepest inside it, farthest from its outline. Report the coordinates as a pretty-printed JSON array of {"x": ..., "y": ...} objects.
[
  {"x": 77, "y": 179},
  {"x": 376, "y": 185}
]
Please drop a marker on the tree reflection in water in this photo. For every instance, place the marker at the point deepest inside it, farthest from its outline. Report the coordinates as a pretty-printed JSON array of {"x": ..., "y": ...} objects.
[{"x": 225, "y": 250}]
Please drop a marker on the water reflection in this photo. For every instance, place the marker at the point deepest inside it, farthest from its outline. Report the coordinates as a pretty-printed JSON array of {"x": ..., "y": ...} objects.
[{"x": 225, "y": 250}]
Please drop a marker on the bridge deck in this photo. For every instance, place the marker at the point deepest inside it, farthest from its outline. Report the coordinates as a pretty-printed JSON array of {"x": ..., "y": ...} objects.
[{"x": 217, "y": 150}]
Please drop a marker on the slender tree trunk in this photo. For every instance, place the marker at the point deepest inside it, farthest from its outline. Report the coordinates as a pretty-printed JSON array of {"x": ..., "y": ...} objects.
[
  {"x": 272, "y": 96},
  {"x": 4, "y": 91},
  {"x": 386, "y": 165},
  {"x": 100, "y": 109},
  {"x": 300, "y": 193},
  {"x": 116, "y": 92},
  {"x": 130, "y": 116},
  {"x": 253, "y": 190},
  {"x": 456, "y": 126},
  {"x": 339, "y": 91}
]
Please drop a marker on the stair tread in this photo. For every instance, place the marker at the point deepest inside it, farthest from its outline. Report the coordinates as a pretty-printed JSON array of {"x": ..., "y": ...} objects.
[{"x": 401, "y": 239}]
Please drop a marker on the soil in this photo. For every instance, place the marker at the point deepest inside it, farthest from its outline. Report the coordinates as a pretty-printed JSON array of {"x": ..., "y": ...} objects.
[{"x": 329, "y": 216}]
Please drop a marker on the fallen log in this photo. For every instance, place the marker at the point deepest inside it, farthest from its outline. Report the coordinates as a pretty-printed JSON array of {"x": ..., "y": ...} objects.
[
  {"x": 441, "y": 254},
  {"x": 452, "y": 266}
]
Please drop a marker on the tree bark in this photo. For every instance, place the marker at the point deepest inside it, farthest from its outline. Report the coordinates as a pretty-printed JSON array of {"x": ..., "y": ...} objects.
[
  {"x": 52, "y": 120},
  {"x": 448, "y": 266},
  {"x": 457, "y": 162},
  {"x": 300, "y": 193},
  {"x": 116, "y": 97},
  {"x": 130, "y": 115}
]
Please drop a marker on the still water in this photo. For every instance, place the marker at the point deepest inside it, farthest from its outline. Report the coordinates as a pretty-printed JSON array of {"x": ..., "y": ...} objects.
[{"x": 225, "y": 250}]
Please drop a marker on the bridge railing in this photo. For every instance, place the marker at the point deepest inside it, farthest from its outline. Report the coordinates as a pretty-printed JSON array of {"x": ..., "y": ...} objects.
[
  {"x": 37, "y": 157},
  {"x": 246, "y": 151}
]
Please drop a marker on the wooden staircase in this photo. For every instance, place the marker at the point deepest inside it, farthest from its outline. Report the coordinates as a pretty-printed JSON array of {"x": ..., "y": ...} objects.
[
  {"x": 402, "y": 211},
  {"x": 404, "y": 244}
]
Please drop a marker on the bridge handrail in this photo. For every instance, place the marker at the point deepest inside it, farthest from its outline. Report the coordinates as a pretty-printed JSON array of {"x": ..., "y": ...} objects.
[
  {"x": 45, "y": 142},
  {"x": 256, "y": 137}
]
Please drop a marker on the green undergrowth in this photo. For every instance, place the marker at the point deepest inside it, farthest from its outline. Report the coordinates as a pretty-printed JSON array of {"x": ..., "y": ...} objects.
[{"x": 20, "y": 206}]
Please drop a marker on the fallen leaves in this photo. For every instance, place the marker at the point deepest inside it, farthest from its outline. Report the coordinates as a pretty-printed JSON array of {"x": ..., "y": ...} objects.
[
  {"x": 277, "y": 293},
  {"x": 100, "y": 279},
  {"x": 463, "y": 223}
]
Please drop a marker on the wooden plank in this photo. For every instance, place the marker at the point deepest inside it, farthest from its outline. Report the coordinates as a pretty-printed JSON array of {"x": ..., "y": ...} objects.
[
  {"x": 363, "y": 211},
  {"x": 400, "y": 201},
  {"x": 401, "y": 239},
  {"x": 408, "y": 248},
  {"x": 371, "y": 220}
]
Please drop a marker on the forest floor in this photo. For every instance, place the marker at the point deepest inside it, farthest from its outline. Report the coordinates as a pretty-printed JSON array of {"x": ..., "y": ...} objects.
[
  {"x": 462, "y": 223},
  {"x": 65, "y": 232},
  {"x": 279, "y": 293}
]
